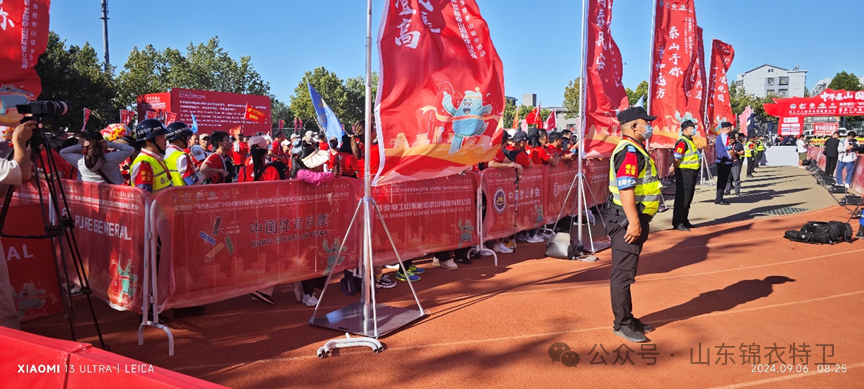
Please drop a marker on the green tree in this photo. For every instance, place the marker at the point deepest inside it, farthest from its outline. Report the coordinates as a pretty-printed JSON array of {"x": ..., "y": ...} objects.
[
  {"x": 509, "y": 112},
  {"x": 282, "y": 111},
  {"x": 355, "y": 98},
  {"x": 571, "y": 98},
  {"x": 329, "y": 86},
  {"x": 75, "y": 75},
  {"x": 845, "y": 81},
  {"x": 205, "y": 66},
  {"x": 641, "y": 90}
]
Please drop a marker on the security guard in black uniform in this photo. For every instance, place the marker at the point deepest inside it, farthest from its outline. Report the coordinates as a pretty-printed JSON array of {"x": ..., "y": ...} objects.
[
  {"x": 686, "y": 168},
  {"x": 634, "y": 199}
]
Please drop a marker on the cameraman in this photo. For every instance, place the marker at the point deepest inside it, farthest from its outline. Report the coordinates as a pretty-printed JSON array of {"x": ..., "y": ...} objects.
[
  {"x": 846, "y": 157},
  {"x": 13, "y": 172}
]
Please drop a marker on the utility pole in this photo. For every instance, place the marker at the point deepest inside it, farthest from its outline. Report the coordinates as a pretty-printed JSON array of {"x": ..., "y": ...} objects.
[{"x": 105, "y": 32}]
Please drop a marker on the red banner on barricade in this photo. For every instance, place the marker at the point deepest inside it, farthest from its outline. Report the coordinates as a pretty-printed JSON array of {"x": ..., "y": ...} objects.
[
  {"x": 560, "y": 180},
  {"x": 597, "y": 172},
  {"x": 858, "y": 179},
  {"x": 225, "y": 241},
  {"x": 662, "y": 161},
  {"x": 425, "y": 216},
  {"x": 500, "y": 188},
  {"x": 109, "y": 228},
  {"x": 31, "y": 265}
]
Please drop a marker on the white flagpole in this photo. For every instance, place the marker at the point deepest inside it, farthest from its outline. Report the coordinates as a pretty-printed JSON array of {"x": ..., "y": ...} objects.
[{"x": 581, "y": 156}]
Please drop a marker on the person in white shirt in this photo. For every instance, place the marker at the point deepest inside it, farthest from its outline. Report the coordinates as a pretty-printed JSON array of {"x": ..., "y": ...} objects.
[
  {"x": 846, "y": 157},
  {"x": 14, "y": 172},
  {"x": 801, "y": 147},
  {"x": 96, "y": 163}
]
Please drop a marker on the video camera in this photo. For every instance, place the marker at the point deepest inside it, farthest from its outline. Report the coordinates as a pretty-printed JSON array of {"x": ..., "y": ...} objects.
[{"x": 38, "y": 110}]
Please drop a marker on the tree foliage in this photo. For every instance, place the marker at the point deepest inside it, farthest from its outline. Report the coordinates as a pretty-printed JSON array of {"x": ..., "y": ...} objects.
[
  {"x": 845, "y": 81},
  {"x": 641, "y": 90},
  {"x": 571, "y": 98},
  {"x": 329, "y": 86},
  {"x": 205, "y": 66},
  {"x": 75, "y": 75}
]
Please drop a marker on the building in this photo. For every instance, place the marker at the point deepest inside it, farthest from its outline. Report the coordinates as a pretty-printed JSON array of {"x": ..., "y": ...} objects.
[
  {"x": 772, "y": 80},
  {"x": 529, "y": 99}
]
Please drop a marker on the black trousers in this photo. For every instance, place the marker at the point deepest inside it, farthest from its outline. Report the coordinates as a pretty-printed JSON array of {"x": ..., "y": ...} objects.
[
  {"x": 751, "y": 165},
  {"x": 685, "y": 187},
  {"x": 625, "y": 259},
  {"x": 830, "y": 165},
  {"x": 723, "y": 172},
  {"x": 759, "y": 156},
  {"x": 734, "y": 179}
]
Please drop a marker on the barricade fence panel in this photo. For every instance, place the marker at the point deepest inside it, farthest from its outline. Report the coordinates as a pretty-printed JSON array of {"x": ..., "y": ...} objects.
[
  {"x": 425, "y": 216},
  {"x": 858, "y": 179},
  {"x": 109, "y": 228},
  {"x": 224, "y": 241}
]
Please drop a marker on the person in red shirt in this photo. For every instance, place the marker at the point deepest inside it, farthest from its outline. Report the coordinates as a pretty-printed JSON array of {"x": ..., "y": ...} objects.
[
  {"x": 513, "y": 154},
  {"x": 221, "y": 144},
  {"x": 241, "y": 151},
  {"x": 537, "y": 150},
  {"x": 258, "y": 169},
  {"x": 555, "y": 147},
  {"x": 276, "y": 152}
]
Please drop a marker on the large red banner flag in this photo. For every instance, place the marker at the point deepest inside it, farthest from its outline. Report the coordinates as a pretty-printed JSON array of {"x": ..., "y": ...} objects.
[
  {"x": 673, "y": 55},
  {"x": 604, "y": 92},
  {"x": 23, "y": 38},
  {"x": 441, "y": 90},
  {"x": 253, "y": 114},
  {"x": 719, "y": 108},
  {"x": 695, "y": 90}
]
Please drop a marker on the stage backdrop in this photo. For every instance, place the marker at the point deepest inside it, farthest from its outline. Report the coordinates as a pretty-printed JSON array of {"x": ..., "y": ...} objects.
[{"x": 214, "y": 111}]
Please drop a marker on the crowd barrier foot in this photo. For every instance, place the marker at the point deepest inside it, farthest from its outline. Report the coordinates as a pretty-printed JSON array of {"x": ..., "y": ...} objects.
[
  {"x": 161, "y": 327},
  {"x": 594, "y": 247},
  {"x": 350, "y": 319},
  {"x": 349, "y": 342},
  {"x": 485, "y": 253}
]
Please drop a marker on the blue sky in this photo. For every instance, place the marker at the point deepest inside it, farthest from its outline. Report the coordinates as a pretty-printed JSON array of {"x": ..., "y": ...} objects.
[{"x": 538, "y": 41}]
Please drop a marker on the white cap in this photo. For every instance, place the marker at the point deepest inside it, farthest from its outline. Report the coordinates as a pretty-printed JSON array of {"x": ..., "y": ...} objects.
[{"x": 258, "y": 141}]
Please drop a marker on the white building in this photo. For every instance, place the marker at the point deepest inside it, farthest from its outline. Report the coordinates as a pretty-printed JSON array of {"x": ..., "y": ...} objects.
[{"x": 772, "y": 80}]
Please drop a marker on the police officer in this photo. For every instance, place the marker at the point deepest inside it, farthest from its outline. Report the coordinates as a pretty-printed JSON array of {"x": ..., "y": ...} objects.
[
  {"x": 722, "y": 146},
  {"x": 179, "y": 163},
  {"x": 737, "y": 153},
  {"x": 686, "y": 168},
  {"x": 634, "y": 199},
  {"x": 750, "y": 154},
  {"x": 149, "y": 171}
]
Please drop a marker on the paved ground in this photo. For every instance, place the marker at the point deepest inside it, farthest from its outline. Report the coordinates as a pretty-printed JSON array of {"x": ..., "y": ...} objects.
[{"x": 732, "y": 283}]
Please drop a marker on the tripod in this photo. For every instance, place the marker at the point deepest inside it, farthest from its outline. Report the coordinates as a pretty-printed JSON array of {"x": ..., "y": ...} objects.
[
  {"x": 582, "y": 208},
  {"x": 59, "y": 228},
  {"x": 704, "y": 170}
]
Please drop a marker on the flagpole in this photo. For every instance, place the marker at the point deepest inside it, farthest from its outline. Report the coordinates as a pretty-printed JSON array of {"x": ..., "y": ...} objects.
[
  {"x": 651, "y": 55},
  {"x": 581, "y": 172}
]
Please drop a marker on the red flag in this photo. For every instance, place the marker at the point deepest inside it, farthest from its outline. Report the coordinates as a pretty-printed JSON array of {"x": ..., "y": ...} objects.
[
  {"x": 551, "y": 121},
  {"x": 719, "y": 109},
  {"x": 673, "y": 57},
  {"x": 236, "y": 131},
  {"x": 126, "y": 116},
  {"x": 151, "y": 115},
  {"x": 281, "y": 124},
  {"x": 296, "y": 124},
  {"x": 253, "y": 114},
  {"x": 695, "y": 88},
  {"x": 604, "y": 93},
  {"x": 170, "y": 117},
  {"x": 23, "y": 38},
  {"x": 532, "y": 117},
  {"x": 516, "y": 119},
  {"x": 441, "y": 90},
  {"x": 86, "y": 117}
]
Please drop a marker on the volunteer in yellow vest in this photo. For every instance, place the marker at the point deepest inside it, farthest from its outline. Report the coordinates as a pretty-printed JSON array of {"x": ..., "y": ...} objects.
[
  {"x": 750, "y": 154},
  {"x": 178, "y": 162},
  {"x": 634, "y": 198},
  {"x": 760, "y": 152},
  {"x": 685, "y": 165},
  {"x": 148, "y": 171}
]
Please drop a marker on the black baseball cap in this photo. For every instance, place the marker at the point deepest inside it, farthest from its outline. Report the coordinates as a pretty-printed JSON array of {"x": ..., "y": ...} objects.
[
  {"x": 520, "y": 136},
  {"x": 633, "y": 113},
  {"x": 725, "y": 125},
  {"x": 687, "y": 124}
]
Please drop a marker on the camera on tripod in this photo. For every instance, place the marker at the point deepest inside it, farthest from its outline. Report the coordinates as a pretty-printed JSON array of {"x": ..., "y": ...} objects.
[{"x": 38, "y": 110}]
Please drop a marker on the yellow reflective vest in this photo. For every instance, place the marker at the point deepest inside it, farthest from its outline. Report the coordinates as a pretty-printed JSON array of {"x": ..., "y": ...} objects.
[
  {"x": 161, "y": 176},
  {"x": 691, "y": 156},
  {"x": 648, "y": 186}
]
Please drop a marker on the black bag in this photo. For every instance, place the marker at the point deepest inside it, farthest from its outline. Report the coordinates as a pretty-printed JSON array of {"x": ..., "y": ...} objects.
[
  {"x": 837, "y": 189},
  {"x": 821, "y": 233},
  {"x": 851, "y": 200}
]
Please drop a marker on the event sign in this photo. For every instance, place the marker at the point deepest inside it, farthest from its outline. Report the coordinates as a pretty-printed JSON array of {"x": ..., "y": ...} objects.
[
  {"x": 440, "y": 92},
  {"x": 425, "y": 216},
  {"x": 214, "y": 111},
  {"x": 827, "y": 103},
  {"x": 224, "y": 241},
  {"x": 675, "y": 70},
  {"x": 824, "y": 129}
]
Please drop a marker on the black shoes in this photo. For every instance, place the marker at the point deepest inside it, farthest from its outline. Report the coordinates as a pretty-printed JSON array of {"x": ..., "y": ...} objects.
[
  {"x": 721, "y": 202},
  {"x": 681, "y": 227},
  {"x": 630, "y": 333},
  {"x": 688, "y": 225}
]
